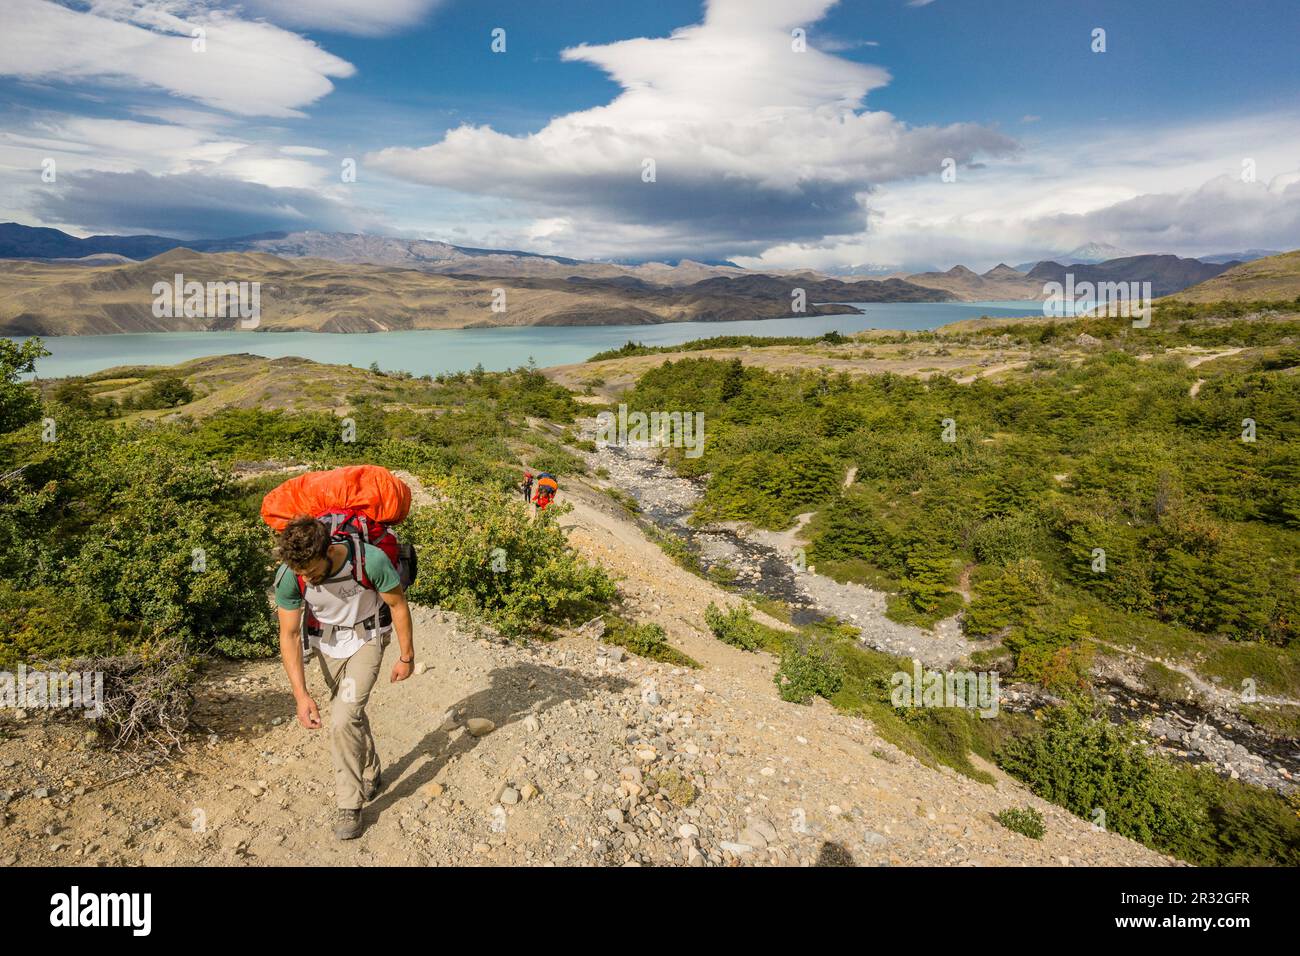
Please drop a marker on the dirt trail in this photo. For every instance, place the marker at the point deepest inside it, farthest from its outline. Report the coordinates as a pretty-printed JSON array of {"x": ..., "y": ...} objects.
[{"x": 584, "y": 736}]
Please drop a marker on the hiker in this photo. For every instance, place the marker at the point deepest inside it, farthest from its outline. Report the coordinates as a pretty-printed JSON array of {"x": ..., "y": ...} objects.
[
  {"x": 339, "y": 594},
  {"x": 527, "y": 485},
  {"x": 547, "y": 486}
]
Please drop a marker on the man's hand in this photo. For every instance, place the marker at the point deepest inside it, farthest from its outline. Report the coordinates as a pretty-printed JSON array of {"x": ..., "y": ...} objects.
[
  {"x": 401, "y": 671},
  {"x": 308, "y": 713},
  {"x": 402, "y": 627}
]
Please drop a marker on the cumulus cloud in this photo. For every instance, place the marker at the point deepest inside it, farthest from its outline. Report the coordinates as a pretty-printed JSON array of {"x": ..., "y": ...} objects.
[
  {"x": 752, "y": 143},
  {"x": 250, "y": 68},
  {"x": 186, "y": 205},
  {"x": 373, "y": 18},
  {"x": 1177, "y": 189}
]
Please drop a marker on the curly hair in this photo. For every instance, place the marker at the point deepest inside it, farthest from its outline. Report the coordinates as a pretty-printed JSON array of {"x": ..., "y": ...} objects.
[{"x": 303, "y": 540}]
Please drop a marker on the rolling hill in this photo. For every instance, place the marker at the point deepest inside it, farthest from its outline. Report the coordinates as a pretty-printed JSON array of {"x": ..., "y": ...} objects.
[
  {"x": 1276, "y": 277},
  {"x": 1167, "y": 274}
]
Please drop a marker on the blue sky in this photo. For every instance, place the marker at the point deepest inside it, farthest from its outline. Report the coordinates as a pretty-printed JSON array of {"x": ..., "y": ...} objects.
[{"x": 1183, "y": 136}]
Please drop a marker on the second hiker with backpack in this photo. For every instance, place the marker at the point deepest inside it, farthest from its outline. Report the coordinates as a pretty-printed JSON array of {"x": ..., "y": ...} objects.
[
  {"x": 340, "y": 593},
  {"x": 547, "y": 487}
]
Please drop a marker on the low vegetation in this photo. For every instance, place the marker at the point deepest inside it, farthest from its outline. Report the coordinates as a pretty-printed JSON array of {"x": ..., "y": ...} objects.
[
  {"x": 1028, "y": 822},
  {"x": 123, "y": 531},
  {"x": 1108, "y": 497}
]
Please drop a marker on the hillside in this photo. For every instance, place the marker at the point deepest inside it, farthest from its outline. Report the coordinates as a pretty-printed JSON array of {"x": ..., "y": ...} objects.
[
  {"x": 326, "y": 296},
  {"x": 1000, "y": 282},
  {"x": 1167, "y": 274},
  {"x": 1272, "y": 278},
  {"x": 597, "y": 757},
  {"x": 648, "y": 735}
]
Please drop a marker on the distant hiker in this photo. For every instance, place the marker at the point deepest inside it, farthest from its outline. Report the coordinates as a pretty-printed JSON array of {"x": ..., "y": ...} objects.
[
  {"x": 547, "y": 486},
  {"x": 527, "y": 485},
  {"x": 345, "y": 568}
]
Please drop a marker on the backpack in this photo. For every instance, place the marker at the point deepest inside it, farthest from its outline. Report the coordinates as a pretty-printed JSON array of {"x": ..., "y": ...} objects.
[
  {"x": 358, "y": 503},
  {"x": 355, "y": 530}
]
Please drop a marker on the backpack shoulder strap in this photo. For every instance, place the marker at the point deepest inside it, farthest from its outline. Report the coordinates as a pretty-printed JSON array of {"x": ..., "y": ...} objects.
[{"x": 357, "y": 556}]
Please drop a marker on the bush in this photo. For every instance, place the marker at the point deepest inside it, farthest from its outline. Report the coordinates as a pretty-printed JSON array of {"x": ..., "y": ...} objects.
[
  {"x": 481, "y": 553},
  {"x": 146, "y": 695},
  {"x": 809, "y": 667},
  {"x": 1028, "y": 822},
  {"x": 736, "y": 627},
  {"x": 1007, "y": 538},
  {"x": 646, "y": 640},
  {"x": 1085, "y": 764},
  {"x": 20, "y": 403},
  {"x": 925, "y": 586},
  {"x": 1006, "y": 599},
  {"x": 142, "y": 537},
  {"x": 43, "y": 623},
  {"x": 167, "y": 391},
  {"x": 1056, "y": 655}
]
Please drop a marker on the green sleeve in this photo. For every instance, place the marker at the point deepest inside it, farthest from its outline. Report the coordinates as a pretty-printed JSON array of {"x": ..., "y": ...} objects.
[
  {"x": 380, "y": 570},
  {"x": 287, "y": 594}
]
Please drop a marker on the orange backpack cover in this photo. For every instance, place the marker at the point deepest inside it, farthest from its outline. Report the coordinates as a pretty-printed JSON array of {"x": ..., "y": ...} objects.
[{"x": 369, "y": 490}]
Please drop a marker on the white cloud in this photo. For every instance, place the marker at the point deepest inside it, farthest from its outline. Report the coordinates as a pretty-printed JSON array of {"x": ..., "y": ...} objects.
[
  {"x": 753, "y": 143},
  {"x": 1177, "y": 189},
  {"x": 372, "y": 18},
  {"x": 247, "y": 67}
]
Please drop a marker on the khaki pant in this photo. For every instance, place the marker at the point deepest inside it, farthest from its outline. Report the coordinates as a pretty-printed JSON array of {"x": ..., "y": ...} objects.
[{"x": 352, "y": 745}]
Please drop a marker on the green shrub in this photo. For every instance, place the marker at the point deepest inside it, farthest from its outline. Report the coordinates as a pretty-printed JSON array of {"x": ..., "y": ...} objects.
[
  {"x": 1085, "y": 764},
  {"x": 481, "y": 553},
  {"x": 1053, "y": 653},
  {"x": 809, "y": 667},
  {"x": 20, "y": 403},
  {"x": 646, "y": 640},
  {"x": 1028, "y": 822},
  {"x": 1004, "y": 539},
  {"x": 1006, "y": 598},
  {"x": 735, "y": 626},
  {"x": 166, "y": 391}
]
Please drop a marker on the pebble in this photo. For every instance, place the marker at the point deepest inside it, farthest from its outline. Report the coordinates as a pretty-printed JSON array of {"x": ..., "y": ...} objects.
[{"x": 479, "y": 726}]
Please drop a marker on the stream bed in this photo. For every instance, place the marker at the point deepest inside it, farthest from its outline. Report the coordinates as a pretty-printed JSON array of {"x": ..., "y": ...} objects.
[{"x": 765, "y": 563}]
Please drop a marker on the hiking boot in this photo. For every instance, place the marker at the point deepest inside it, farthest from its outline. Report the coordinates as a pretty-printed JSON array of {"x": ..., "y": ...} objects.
[
  {"x": 372, "y": 788},
  {"x": 347, "y": 825}
]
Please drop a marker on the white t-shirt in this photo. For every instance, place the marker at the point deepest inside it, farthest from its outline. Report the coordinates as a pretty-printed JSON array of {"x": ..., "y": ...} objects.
[{"x": 340, "y": 603}]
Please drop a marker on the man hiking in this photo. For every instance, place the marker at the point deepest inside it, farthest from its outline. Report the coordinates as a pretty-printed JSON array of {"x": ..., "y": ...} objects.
[
  {"x": 527, "y": 486},
  {"x": 354, "y": 603}
]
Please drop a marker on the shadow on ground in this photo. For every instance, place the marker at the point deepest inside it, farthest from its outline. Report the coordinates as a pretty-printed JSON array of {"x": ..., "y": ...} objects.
[{"x": 514, "y": 692}]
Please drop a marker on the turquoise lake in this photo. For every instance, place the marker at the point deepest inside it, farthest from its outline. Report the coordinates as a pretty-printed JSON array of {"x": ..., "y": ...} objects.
[{"x": 430, "y": 352}]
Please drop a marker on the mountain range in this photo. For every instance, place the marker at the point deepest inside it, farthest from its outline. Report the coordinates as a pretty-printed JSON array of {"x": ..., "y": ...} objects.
[
  {"x": 26, "y": 242},
  {"x": 52, "y": 283},
  {"x": 311, "y": 294}
]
